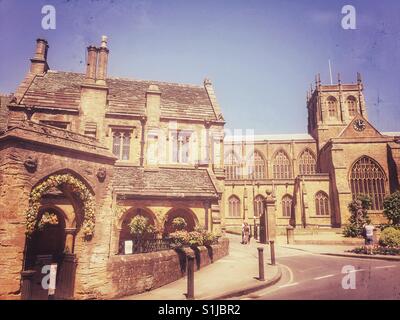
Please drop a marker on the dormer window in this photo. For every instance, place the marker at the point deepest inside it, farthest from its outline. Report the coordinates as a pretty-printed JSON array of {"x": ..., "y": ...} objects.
[
  {"x": 121, "y": 144},
  {"x": 180, "y": 146}
]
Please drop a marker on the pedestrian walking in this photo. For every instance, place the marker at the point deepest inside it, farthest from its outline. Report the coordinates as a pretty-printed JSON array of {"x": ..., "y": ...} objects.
[
  {"x": 243, "y": 225},
  {"x": 369, "y": 236},
  {"x": 246, "y": 233}
]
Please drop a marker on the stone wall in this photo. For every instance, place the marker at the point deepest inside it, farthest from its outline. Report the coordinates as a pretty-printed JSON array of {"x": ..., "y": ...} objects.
[{"x": 137, "y": 273}]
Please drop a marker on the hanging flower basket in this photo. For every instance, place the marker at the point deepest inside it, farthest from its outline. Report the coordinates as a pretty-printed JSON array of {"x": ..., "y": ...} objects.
[
  {"x": 48, "y": 219},
  {"x": 77, "y": 187}
]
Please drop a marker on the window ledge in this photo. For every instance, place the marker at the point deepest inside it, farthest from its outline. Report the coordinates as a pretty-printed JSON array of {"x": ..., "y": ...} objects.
[
  {"x": 321, "y": 216},
  {"x": 126, "y": 163}
]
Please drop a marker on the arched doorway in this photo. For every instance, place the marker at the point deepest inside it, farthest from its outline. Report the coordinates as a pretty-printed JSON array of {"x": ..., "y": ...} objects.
[
  {"x": 125, "y": 232},
  {"x": 186, "y": 214},
  {"x": 51, "y": 233},
  {"x": 48, "y": 237}
]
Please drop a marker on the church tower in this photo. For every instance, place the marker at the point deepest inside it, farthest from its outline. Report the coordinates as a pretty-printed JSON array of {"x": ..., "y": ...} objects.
[{"x": 332, "y": 107}]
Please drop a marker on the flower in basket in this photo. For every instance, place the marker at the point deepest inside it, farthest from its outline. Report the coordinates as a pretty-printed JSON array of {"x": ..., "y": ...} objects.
[
  {"x": 47, "y": 219},
  {"x": 179, "y": 239},
  {"x": 179, "y": 223},
  {"x": 140, "y": 226},
  {"x": 195, "y": 238}
]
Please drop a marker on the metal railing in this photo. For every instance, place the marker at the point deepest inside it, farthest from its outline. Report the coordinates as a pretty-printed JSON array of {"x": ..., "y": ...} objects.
[{"x": 145, "y": 245}]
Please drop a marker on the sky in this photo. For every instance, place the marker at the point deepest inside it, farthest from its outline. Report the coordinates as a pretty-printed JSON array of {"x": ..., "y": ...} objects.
[{"x": 261, "y": 56}]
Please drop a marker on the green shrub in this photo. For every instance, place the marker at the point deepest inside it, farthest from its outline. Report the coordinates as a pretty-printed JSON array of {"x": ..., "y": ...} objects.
[
  {"x": 179, "y": 223},
  {"x": 377, "y": 250},
  {"x": 352, "y": 231},
  {"x": 390, "y": 237},
  {"x": 391, "y": 208},
  {"x": 359, "y": 216}
]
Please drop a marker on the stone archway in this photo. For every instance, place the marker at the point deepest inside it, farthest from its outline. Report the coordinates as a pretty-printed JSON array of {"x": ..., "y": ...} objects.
[
  {"x": 53, "y": 244},
  {"x": 124, "y": 233},
  {"x": 186, "y": 214}
]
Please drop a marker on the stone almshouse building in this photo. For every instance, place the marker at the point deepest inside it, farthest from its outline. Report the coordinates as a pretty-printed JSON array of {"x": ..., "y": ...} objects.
[
  {"x": 95, "y": 151},
  {"x": 313, "y": 176},
  {"x": 125, "y": 146}
]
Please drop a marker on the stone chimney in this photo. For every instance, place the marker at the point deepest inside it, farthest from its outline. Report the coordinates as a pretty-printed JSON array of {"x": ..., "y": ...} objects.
[
  {"x": 38, "y": 66},
  {"x": 153, "y": 103},
  {"x": 39, "y": 61},
  {"x": 91, "y": 64},
  {"x": 153, "y": 144},
  {"x": 102, "y": 62},
  {"x": 94, "y": 92}
]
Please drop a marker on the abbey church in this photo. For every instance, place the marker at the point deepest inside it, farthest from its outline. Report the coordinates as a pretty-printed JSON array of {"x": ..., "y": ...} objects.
[{"x": 95, "y": 151}]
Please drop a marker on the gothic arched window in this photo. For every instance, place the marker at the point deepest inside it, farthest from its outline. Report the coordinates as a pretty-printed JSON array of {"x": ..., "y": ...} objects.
[
  {"x": 232, "y": 167},
  {"x": 281, "y": 167},
  {"x": 368, "y": 178},
  {"x": 256, "y": 166},
  {"x": 332, "y": 107},
  {"x": 321, "y": 204},
  {"x": 351, "y": 106},
  {"x": 234, "y": 206},
  {"x": 287, "y": 205},
  {"x": 307, "y": 162},
  {"x": 258, "y": 205}
]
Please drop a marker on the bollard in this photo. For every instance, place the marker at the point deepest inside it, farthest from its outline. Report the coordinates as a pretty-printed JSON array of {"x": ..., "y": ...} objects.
[
  {"x": 272, "y": 247},
  {"x": 261, "y": 276},
  {"x": 290, "y": 235},
  {"x": 190, "y": 277}
]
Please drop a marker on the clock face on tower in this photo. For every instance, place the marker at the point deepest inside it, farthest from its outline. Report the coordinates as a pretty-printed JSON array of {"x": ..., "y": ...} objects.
[{"x": 359, "y": 125}]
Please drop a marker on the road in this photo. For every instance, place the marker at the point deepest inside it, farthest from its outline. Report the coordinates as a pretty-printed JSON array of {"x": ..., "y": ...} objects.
[{"x": 309, "y": 276}]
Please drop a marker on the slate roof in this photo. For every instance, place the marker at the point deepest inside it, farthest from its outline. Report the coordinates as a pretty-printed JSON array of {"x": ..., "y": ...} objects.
[
  {"x": 172, "y": 182},
  {"x": 58, "y": 89},
  {"x": 58, "y": 138}
]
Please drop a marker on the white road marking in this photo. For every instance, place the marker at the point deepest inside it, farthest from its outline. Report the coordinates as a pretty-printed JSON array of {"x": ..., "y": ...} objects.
[
  {"x": 289, "y": 285},
  {"x": 358, "y": 270},
  {"x": 384, "y": 267},
  {"x": 324, "y": 277}
]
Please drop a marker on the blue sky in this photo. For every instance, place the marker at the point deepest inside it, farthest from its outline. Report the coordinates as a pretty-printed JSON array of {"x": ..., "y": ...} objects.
[{"x": 261, "y": 56}]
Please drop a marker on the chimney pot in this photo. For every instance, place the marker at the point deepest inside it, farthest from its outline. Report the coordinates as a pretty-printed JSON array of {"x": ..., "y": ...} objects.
[
  {"x": 41, "y": 49},
  {"x": 104, "y": 41},
  {"x": 91, "y": 63},
  {"x": 102, "y": 61},
  {"x": 39, "y": 61}
]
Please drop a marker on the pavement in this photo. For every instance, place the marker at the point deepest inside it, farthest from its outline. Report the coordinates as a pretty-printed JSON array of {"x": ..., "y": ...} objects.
[{"x": 233, "y": 275}]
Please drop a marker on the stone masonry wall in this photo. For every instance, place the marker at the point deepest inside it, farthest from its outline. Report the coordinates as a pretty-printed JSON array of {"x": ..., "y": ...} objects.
[{"x": 137, "y": 273}]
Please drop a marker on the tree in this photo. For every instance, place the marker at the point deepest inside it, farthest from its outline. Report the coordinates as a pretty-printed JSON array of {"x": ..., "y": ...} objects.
[
  {"x": 359, "y": 216},
  {"x": 391, "y": 208}
]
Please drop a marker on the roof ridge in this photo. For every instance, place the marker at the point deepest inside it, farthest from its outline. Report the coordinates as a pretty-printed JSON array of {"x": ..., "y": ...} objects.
[{"x": 189, "y": 85}]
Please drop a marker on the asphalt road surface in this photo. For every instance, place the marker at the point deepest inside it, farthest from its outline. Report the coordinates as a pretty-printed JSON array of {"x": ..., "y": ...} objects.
[{"x": 313, "y": 276}]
